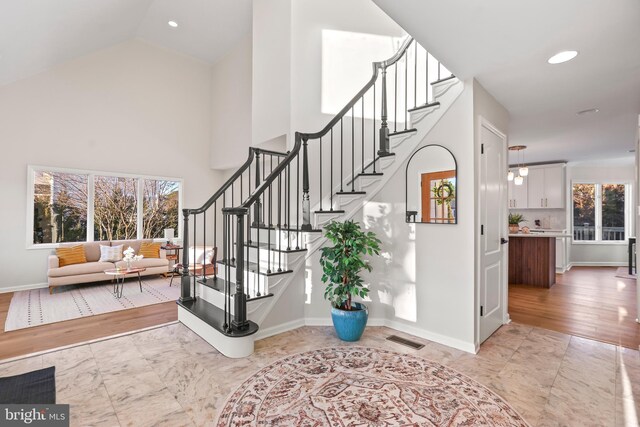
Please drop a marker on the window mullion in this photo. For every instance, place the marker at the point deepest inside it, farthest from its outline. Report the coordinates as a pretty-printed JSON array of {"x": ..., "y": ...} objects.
[
  {"x": 90, "y": 208},
  {"x": 140, "y": 208},
  {"x": 598, "y": 212}
]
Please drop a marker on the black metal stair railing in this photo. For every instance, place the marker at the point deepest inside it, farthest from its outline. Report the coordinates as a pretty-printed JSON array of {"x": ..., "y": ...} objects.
[{"x": 274, "y": 198}]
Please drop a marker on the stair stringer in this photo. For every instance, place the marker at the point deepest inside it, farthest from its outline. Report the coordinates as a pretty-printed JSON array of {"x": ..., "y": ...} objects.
[{"x": 313, "y": 243}]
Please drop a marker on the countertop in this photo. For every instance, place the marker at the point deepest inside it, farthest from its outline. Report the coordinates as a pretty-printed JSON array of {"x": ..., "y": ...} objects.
[{"x": 554, "y": 235}]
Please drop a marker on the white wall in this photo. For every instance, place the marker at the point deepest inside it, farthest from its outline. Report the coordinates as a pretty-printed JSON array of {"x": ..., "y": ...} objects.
[
  {"x": 598, "y": 253},
  {"x": 131, "y": 108},
  {"x": 231, "y": 106},
  {"x": 271, "y": 76},
  {"x": 424, "y": 283}
]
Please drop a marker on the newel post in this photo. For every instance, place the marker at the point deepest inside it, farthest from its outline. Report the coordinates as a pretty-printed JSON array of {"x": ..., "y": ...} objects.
[
  {"x": 306, "y": 203},
  {"x": 384, "y": 129},
  {"x": 185, "y": 283},
  {"x": 240, "y": 298}
]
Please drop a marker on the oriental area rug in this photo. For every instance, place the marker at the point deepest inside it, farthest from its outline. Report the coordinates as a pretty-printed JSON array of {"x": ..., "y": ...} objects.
[
  {"x": 37, "y": 307},
  {"x": 356, "y": 386}
]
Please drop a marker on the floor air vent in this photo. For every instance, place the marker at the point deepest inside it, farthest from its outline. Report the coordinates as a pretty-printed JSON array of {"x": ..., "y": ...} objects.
[{"x": 406, "y": 342}]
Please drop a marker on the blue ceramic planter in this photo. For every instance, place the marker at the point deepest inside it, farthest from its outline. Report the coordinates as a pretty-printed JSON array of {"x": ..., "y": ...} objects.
[{"x": 350, "y": 325}]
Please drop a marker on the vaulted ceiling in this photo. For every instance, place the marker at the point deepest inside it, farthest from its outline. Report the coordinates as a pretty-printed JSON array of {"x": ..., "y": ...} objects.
[
  {"x": 37, "y": 34},
  {"x": 505, "y": 44}
]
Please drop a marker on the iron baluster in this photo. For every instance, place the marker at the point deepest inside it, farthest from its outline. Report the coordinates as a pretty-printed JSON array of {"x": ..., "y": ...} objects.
[
  {"x": 331, "y": 178},
  {"x": 306, "y": 204},
  {"x": 320, "y": 173},
  {"x": 395, "y": 97},
  {"x": 353, "y": 151},
  {"x": 384, "y": 127}
]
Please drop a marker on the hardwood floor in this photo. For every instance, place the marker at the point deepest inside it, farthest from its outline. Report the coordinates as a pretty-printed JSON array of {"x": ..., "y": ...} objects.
[
  {"x": 45, "y": 337},
  {"x": 585, "y": 301}
]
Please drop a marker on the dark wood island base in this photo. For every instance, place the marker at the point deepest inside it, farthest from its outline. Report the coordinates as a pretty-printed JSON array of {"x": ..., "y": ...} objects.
[{"x": 532, "y": 260}]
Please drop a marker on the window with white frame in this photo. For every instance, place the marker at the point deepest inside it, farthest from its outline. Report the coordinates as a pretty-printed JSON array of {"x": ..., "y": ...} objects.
[
  {"x": 77, "y": 206},
  {"x": 601, "y": 212}
]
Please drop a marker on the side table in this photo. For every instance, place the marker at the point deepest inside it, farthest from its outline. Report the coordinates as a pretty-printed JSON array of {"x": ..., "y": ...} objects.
[{"x": 119, "y": 274}]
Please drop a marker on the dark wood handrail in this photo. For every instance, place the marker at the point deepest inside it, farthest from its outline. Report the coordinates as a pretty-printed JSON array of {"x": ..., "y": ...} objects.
[
  {"x": 224, "y": 187},
  {"x": 376, "y": 70},
  {"x": 300, "y": 137}
]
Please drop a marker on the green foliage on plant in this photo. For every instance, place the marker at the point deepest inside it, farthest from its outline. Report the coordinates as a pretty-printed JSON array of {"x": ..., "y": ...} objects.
[
  {"x": 342, "y": 263},
  {"x": 516, "y": 219}
]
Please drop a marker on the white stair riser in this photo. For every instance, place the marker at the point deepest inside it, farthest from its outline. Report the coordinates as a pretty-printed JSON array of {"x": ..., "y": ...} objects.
[
  {"x": 277, "y": 236},
  {"x": 254, "y": 280},
  {"x": 233, "y": 347},
  {"x": 217, "y": 298}
]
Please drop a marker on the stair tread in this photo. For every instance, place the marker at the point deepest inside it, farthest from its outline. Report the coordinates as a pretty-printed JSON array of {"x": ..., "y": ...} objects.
[
  {"x": 443, "y": 79},
  {"x": 253, "y": 267},
  {"x": 274, "y": 247},
  {"x": 266, "y": 227},
  {"x": 422, "y": 107},
  {"x": 400, "y": 132},
  {"x": 335, "y": 211},
  {"x": 218, "y": 284},
  {"x": 346, "y": 193},
  {"x": 214, "y": 317}
]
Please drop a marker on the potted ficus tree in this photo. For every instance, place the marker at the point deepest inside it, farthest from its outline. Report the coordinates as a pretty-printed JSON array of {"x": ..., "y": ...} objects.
[{"x": 342, "y": 264}]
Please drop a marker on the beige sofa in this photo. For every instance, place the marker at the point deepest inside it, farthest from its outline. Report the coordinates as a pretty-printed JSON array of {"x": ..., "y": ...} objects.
[{"x": 93, "y": 269}]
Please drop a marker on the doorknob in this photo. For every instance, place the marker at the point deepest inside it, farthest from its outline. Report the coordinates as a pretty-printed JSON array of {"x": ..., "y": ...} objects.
[{"x": 503, "y": 241}]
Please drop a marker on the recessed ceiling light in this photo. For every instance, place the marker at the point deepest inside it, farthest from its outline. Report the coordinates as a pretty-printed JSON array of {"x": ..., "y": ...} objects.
[
  {"x": 564, "y": 56},
  {"x": 589, "y": 111},
  {"x": 173, "y": 24}
]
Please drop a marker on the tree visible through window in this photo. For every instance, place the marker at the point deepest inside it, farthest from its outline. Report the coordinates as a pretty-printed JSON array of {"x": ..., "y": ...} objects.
[
  {"x": 61, "y": 202},
  {"x": 59, "y": 207},
  {"x": 160, "y": 207},
  {"x": 599, "y": 212},
  {"x": 115, "y": 208}
]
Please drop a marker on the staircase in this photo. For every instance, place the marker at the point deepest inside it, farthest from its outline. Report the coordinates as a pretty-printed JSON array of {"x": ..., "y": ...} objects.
[{"x": 267, "y": 218}]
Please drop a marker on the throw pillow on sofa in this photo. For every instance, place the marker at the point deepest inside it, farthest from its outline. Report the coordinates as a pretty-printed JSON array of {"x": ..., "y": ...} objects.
[
  {"x": 71, "y": 255},
  {"x": 150, "y": 250},
  {"x": 110, "y": 253}
]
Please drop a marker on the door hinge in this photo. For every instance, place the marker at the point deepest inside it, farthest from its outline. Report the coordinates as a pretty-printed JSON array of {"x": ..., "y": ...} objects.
[
  {"x": 481, "y": 311},
  {"x": 482, "y": 230},
  {"x": 481, "y": 148}
]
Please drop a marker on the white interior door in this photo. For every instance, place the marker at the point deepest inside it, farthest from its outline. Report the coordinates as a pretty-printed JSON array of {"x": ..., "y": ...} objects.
[{"x": 493, "y": 200}]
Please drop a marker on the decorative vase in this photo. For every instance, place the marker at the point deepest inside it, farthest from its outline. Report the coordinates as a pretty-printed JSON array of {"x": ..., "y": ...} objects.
[
  {"x": 513, "y": 228},
  {"x": 128, "y": 261},
  {"x": 349, "y": 325}
]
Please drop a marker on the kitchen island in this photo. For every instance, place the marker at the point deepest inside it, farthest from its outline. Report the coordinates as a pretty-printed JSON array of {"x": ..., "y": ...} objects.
[{"x": 532, "y": 259}]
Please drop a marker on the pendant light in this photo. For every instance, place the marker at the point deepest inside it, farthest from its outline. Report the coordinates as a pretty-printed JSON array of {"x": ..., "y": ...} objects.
[{"x": 520, "y": 166}]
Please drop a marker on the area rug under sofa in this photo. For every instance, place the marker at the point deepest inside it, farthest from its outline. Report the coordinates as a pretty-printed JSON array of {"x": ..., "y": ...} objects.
[{"x": 37, "y": 307}]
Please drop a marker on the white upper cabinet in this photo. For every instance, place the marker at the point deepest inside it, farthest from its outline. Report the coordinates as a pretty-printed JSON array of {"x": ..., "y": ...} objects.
[
  {"x": 545, "y": 187},
  {"x": 517, "y": 196}
]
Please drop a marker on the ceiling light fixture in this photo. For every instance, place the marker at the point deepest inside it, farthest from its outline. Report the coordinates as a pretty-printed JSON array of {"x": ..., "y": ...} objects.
[
  {"x": 173, "y": 24},
  {"x": 588, "y": 111},
  {"x": 523, "y": 170},
  {"x": 564, "y": 56}
]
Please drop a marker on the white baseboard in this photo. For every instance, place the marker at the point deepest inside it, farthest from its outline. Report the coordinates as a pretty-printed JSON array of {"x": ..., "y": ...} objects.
[
  {"x": 401, "y": 327},
  {"x": 24, "y": 287},
  {"x": 279, "y": 329},
  {"x": 596, "y": 264}
]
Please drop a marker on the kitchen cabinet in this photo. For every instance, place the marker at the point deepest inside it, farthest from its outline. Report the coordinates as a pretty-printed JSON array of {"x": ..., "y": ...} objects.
[
  {"x": 545, "y": 187},
  {"x": 517, "y": 196}
]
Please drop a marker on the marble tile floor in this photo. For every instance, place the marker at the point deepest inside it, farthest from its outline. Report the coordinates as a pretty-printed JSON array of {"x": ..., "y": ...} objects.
[{"x": 170, "y": 377}]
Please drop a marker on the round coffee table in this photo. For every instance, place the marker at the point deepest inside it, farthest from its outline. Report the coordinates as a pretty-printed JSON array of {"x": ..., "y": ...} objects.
[{"x": 119, "y": 274}]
